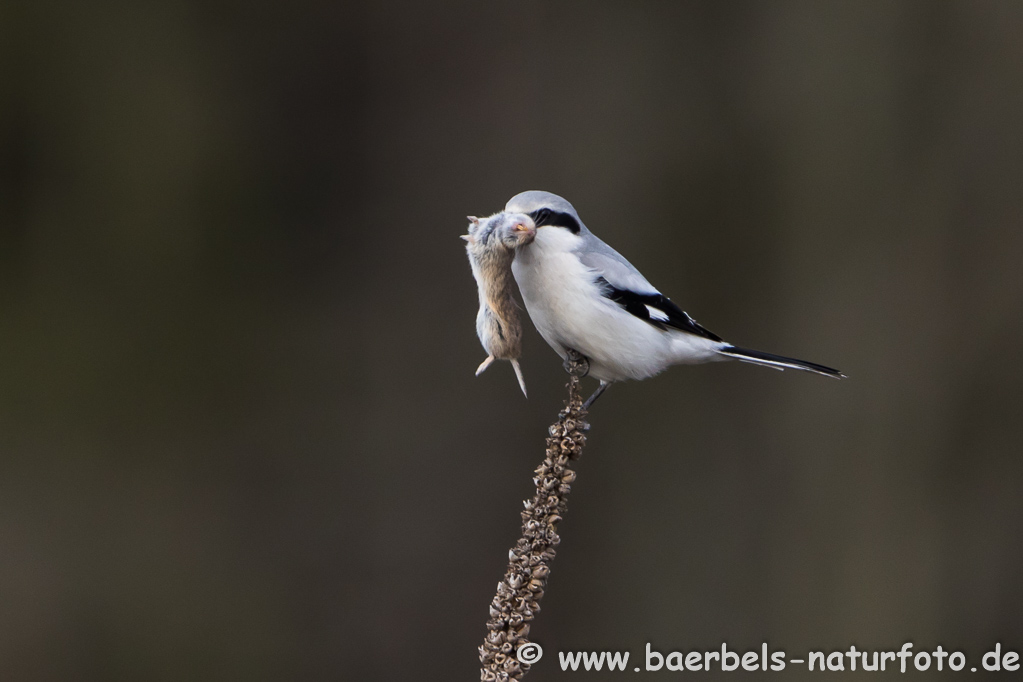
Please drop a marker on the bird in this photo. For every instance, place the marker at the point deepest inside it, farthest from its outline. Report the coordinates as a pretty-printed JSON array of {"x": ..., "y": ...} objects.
[
  {"x": 490, "y": 245},
  {"x": 584, "y": 297}
]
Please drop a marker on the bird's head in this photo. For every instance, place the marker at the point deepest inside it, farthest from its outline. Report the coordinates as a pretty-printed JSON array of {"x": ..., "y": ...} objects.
[{"x": 546, "y": 210}]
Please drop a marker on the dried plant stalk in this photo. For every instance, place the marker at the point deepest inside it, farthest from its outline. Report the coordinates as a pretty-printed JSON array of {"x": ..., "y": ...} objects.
[{"x": 518, "y": 594}]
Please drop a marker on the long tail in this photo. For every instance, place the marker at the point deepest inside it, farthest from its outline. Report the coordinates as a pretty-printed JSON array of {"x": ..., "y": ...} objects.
[
  {"x": 779, "y": 362},
  {"x": 522, "y": 380},
  {"x": 518, "y": 372}
]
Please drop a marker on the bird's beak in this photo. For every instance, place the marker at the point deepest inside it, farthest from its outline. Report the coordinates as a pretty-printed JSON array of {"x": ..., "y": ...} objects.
[{"x": 526, "y": 232}]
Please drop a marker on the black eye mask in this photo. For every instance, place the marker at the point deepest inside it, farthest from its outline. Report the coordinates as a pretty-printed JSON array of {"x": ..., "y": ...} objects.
[{"x": 546, "y": 217}]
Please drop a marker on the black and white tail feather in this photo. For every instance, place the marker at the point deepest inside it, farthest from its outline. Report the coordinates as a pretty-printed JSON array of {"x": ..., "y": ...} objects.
[
  {"x": 658, "y": 310},
  {"x": 779, "y": 362}
]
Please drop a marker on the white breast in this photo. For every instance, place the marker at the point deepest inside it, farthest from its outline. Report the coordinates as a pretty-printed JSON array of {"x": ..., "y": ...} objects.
[{"x": 568, "y": 310}]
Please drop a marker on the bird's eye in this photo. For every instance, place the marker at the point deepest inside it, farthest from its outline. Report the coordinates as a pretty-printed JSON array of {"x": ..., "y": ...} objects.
[
  {"x": 545, "y": 216},
  {"x": 540, "y": 217}
]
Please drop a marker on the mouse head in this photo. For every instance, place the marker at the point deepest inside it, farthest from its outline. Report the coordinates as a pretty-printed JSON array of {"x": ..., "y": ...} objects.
[
  {"x": 510, "y": 230},
  {"x": 513, "y": 230}
]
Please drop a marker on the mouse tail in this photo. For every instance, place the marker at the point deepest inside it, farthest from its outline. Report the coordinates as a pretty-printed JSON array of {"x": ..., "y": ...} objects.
[{"x": 518, "y": 374}]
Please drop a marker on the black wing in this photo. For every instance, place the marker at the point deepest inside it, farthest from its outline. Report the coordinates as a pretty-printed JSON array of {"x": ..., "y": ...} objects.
[{"x": 655, "y": 309}]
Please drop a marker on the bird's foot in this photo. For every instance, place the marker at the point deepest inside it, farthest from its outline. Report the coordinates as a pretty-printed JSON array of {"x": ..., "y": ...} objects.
[{"x": 576, "y": 364}]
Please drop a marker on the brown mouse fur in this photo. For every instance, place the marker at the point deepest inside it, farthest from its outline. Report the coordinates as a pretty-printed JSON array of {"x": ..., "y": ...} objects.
[{"x": 491, "y": 245}]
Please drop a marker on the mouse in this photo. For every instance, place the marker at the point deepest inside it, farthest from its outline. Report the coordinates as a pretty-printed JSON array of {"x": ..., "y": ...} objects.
[{"x": 490, "y": 245}]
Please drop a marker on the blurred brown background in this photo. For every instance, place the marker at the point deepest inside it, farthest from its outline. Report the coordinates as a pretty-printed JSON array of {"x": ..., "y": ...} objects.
[{"x": 240, "y": 436}]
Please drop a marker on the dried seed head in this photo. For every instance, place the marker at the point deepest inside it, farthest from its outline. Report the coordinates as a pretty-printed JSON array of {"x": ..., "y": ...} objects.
[{"x": 518, "y": 595}]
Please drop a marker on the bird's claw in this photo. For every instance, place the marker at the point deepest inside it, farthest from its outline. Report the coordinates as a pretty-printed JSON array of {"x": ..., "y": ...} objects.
[{"x": 576, "y": 364}]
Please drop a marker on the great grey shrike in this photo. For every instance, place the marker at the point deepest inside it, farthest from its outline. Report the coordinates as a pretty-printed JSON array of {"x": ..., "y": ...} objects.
[{"x": 582, "y": 295}]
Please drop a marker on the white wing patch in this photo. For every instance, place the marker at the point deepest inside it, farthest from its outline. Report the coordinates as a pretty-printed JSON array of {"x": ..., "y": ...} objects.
[{"x": 656, "y": 314}]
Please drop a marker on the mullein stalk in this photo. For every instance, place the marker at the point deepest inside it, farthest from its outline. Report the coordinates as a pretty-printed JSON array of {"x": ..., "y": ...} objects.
[{"x": 529, "y": 562}]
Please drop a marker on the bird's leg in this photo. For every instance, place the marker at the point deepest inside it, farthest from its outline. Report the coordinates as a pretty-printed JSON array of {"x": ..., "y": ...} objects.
[
  {"x": 596, "y": 394},
  {"x": 576, "y": 364}
]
